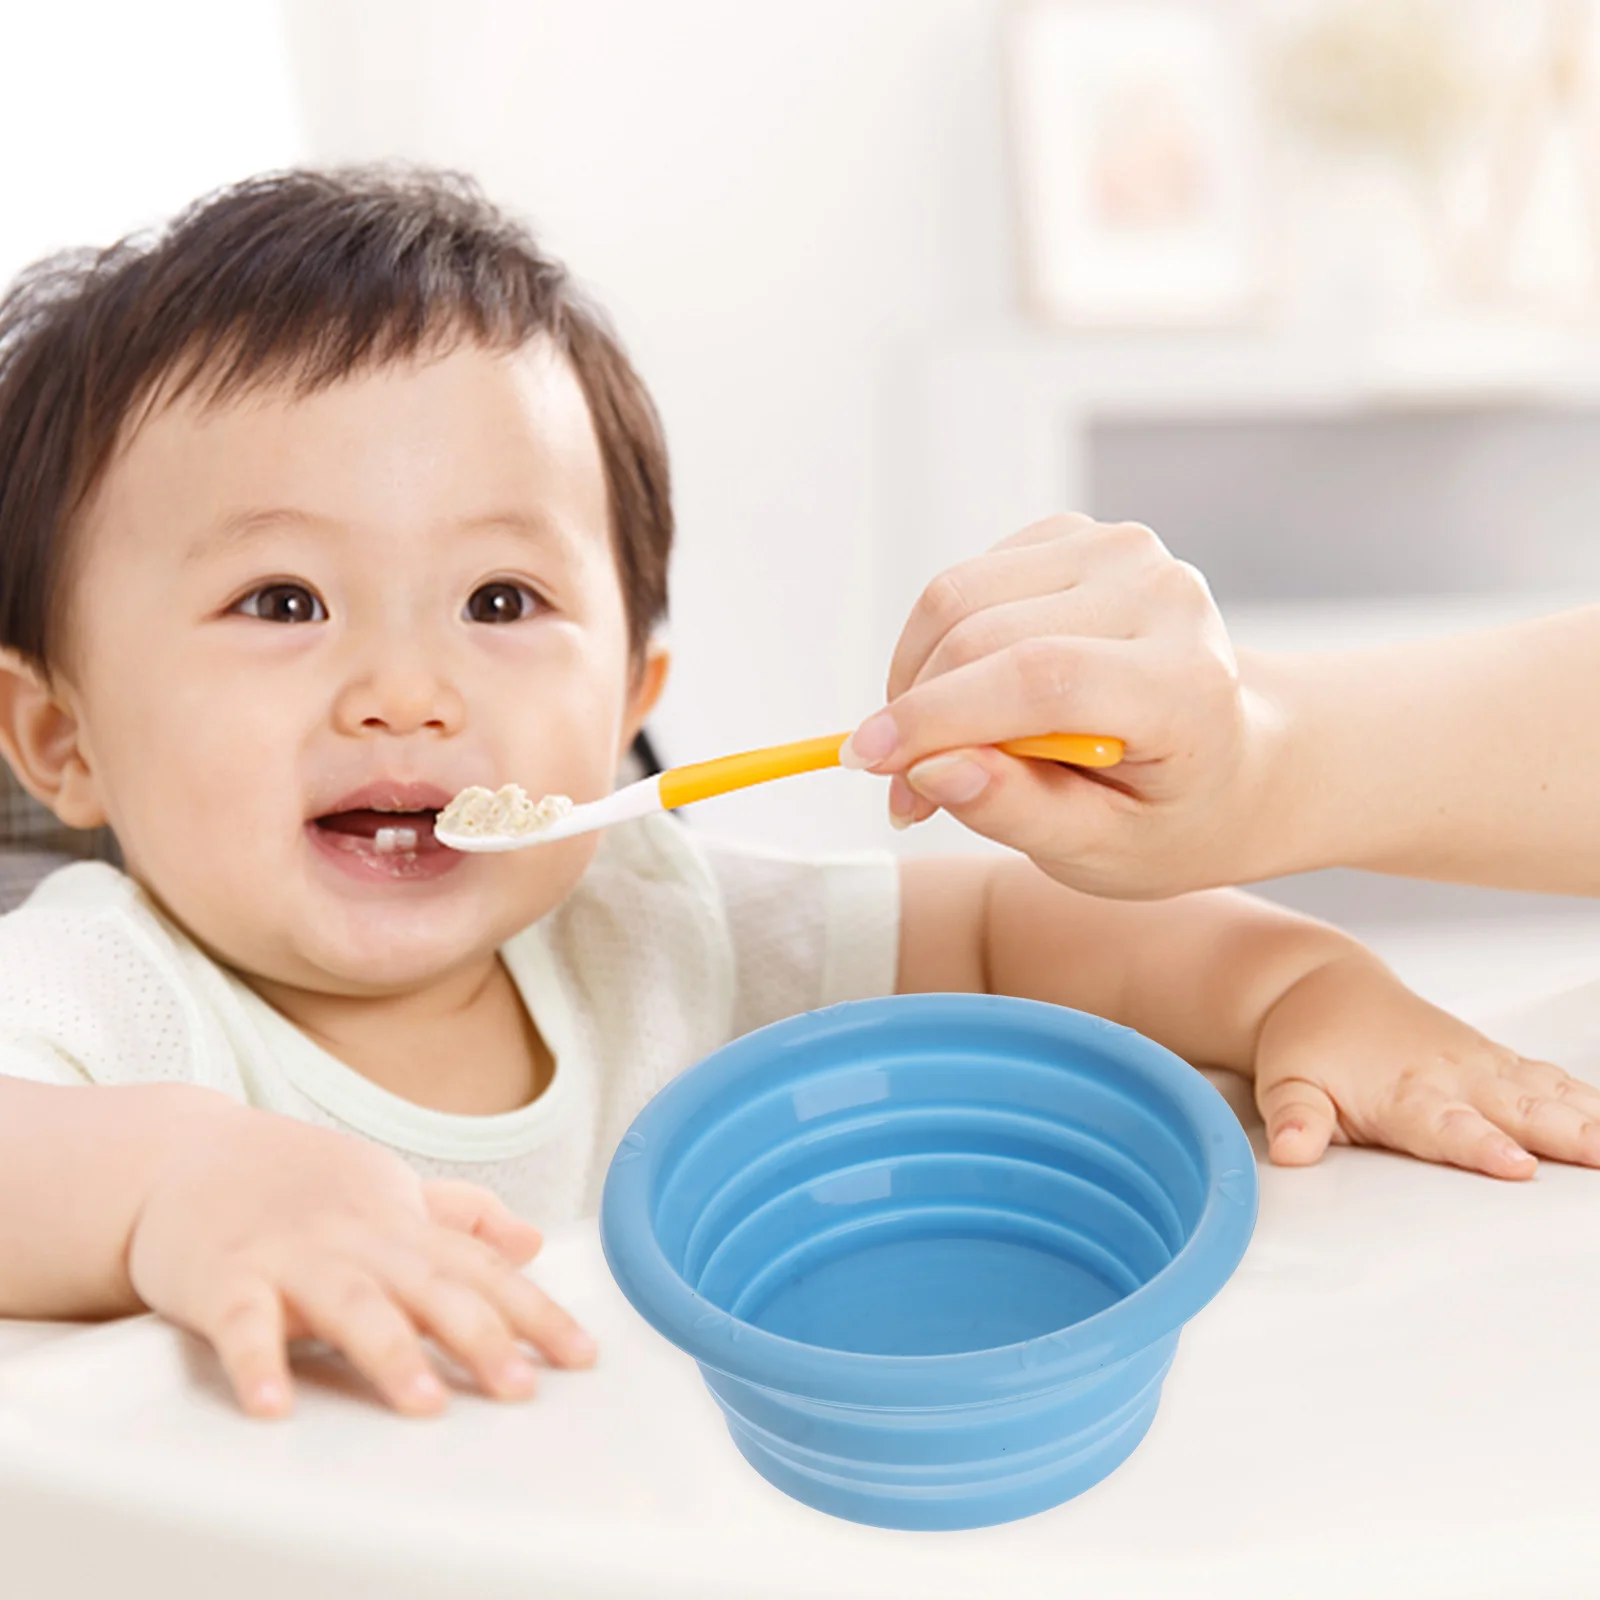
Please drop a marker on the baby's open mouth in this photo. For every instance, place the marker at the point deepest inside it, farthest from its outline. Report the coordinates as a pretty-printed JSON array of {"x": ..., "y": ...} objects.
[{"x": 385, "y": 832}]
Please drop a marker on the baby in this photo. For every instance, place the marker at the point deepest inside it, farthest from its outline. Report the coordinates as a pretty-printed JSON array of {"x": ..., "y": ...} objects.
[{"x": 327, "y": 503}]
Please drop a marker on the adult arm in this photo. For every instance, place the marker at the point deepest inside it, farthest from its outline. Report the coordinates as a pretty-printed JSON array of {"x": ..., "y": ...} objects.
[{"x": 1475, "y": 758}]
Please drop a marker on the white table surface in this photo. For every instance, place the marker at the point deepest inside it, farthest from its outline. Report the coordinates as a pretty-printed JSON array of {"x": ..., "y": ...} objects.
[{"x": 1397, "y": 1394}]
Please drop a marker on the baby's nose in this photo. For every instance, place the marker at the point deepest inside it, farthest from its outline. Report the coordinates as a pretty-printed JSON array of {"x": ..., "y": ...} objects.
[{"x": 403, "y": 694}]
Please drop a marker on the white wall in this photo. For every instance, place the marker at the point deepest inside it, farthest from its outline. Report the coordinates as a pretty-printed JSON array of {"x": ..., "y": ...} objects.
[
  {"x": 775, "y": 201},
  {"x": 114, "y": 115}
]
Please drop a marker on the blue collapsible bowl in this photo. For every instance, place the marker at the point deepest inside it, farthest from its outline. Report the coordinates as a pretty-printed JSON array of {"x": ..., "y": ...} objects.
[{"x": 932, "y": 1253}]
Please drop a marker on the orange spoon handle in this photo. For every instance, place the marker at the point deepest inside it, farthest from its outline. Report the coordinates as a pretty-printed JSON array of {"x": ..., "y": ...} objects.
[{"x": 701, "y": 780}]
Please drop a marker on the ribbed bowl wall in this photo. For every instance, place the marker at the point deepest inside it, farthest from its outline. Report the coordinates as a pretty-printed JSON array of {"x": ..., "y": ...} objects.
[
  {"x": 947, "y": 1467},
  {"x": 933, "y": 1253}
]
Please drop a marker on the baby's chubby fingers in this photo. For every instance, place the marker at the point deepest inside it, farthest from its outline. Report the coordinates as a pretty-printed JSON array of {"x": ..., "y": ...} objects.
[
  {"x": 351, "y": 1309},
  {"x": 1422, "y": 1118},
  {"x": 1548, "y": 1112},
  {"x": 469, "y": 1209},
  {"x": 245, "y": 1325},
  {"x": 1301, "y": 1120},
  {"x": 527, "y": 1310},
  {"x": 473, "y": 1329}
]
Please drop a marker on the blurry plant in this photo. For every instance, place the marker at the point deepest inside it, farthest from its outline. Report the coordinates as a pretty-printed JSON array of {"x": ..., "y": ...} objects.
[{"x": 1394, "y": 77}]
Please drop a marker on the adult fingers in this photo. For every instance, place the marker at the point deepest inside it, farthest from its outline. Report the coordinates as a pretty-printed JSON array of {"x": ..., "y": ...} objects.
[
  {"x": 246, "y": 1329},
  {"x": 1301, "y": 1120},
  {"x": 1427, "y": 1122},
  {"x": 1052, "y": 529},
  {"x": 467, "y": 1208},
  {"x": 1044, "y": 810},
  {"x": 1013, "y": 571},
  {"x": 1045, "y": 559},
  {"x": 1546, "y": 1111},
  {"x": 1096, "y": 611},
  {"x": 529, "y": 1311},
  {"x": 906, "y": 806},
  {"x": 1053, "y": 684},
  {"x": 348, "y": 1308}
]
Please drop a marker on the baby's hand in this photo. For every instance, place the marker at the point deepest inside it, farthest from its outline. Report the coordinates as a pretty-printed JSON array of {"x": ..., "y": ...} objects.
[
  {"x": 1350, "y": 1055},
  {"x": 272, "y": 1230}
]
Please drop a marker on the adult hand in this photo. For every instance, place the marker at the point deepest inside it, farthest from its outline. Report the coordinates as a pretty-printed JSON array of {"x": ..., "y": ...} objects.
[
  {"x": 271, "y": 1230},
  {"x": 1075, "y": 626}
]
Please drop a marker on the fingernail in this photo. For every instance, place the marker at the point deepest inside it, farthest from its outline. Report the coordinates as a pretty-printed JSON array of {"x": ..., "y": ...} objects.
[
  {"x": 870, "y": 743},
  {"x": 902, "y": 803},
  {"x": 1290, "y": 1127},
  {"x": 268, "y": 1395},
  {"x": 580, "y": 1346},
  {"x": 948, "y": 780},
  {"x": 518, "y": 1375},
  {"x": 1515, "y": 1153},
  {"x": 425, "y": 1386}
]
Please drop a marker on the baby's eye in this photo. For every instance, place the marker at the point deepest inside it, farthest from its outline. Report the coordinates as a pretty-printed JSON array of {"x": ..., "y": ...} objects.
[
  {"x": 501, "y": 601},
  {"x": 283, "y": 602}
]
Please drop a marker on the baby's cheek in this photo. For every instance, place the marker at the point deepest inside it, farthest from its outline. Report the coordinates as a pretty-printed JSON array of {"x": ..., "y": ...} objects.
[
  {"x": 576, "y": 752},
  {"x": 205, "y": 836},
  {"x": 546, "y": 874}
]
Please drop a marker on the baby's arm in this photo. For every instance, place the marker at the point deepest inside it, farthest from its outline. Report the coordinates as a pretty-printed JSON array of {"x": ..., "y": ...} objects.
[
  {"x": 252, "y": 1230},
  {"x": 75, "y": 1166},
  {"x": 1338, "y": 1048}
]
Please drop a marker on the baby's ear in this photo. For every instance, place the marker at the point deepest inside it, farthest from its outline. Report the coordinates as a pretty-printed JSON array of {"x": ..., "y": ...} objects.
[
  {"x": 649, "y": 679},
  {"x": 40, "y": 740}
]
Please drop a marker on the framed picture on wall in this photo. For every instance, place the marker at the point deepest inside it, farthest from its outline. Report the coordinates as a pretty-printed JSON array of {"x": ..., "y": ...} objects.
[{"x": 1135, "y": 161}]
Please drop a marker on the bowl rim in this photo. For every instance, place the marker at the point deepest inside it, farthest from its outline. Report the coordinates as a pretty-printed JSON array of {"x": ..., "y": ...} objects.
[{"x": 743, "y": 1351}]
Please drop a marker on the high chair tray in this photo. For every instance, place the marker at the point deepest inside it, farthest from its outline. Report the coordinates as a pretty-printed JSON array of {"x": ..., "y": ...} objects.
[{"x": 1394, "y": 1395}]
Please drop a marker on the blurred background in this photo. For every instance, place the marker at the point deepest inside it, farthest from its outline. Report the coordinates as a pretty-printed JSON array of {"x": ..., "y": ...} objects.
[{"x": 1311, "y": 286}]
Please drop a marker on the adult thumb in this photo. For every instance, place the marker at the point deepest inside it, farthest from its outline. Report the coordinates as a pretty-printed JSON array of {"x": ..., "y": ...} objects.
[{"x": 1044, "y": 810}]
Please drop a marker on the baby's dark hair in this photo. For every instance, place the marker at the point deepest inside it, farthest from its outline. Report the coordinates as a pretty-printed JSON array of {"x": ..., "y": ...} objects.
[{"x": 304, "y": 277}]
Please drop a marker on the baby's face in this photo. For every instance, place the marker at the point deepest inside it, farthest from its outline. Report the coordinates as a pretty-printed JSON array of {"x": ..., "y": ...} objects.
[{"x": 292, "y": 618}]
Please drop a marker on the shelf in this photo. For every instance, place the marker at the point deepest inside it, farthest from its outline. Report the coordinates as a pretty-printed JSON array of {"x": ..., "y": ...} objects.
[
  {"x": 1442, "y": 362},
  {"x": 996, "y": 422}
]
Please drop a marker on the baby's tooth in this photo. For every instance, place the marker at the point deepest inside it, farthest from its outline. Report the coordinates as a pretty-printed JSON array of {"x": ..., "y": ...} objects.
[{"x": 390, "y": 841}]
